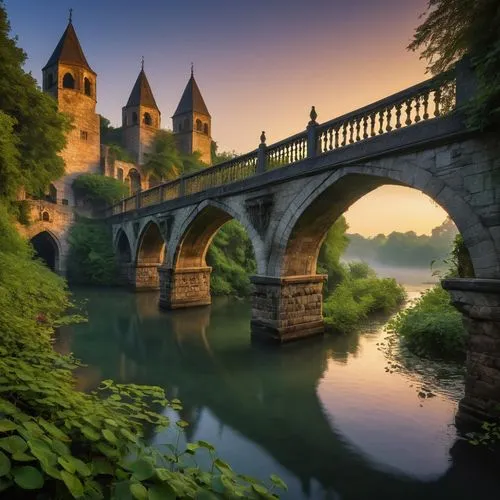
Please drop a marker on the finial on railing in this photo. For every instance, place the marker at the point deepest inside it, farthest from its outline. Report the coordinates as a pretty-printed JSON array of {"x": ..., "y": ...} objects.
[
  {"x": 263, "y": 137},
  {"x": 313, "y": 115}
]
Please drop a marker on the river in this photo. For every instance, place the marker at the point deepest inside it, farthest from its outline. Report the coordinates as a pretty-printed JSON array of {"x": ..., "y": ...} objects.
[{"x": 326, "y": 414}]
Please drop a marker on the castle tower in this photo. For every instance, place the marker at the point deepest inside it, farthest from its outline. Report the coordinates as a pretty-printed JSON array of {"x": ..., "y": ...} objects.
[
  {"x": 68, "y": 77},
  {"x": 192, "y": 123},
  {"x": 140, "y": 118}
]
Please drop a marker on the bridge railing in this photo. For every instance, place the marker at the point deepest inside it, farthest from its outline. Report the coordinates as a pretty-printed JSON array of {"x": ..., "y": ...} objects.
[{"x": 425, "y": 101}]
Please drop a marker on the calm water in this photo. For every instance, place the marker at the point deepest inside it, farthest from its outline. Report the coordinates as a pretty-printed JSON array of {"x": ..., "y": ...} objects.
[{"x": 323, "y": 414}]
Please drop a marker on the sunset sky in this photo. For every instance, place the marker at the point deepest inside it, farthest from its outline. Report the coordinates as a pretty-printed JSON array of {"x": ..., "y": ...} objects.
[{"x": 260, "y": 66}]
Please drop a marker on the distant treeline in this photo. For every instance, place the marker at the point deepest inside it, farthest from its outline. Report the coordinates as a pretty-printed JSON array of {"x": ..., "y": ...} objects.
[{"x": 404, "y": 249}]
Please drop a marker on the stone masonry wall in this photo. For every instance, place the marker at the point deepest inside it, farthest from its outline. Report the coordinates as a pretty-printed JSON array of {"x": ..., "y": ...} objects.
[
  {"x": 186, "y": 287},
  {"x": 146, "y": 277},
  {"x": 287, "y": 308}
]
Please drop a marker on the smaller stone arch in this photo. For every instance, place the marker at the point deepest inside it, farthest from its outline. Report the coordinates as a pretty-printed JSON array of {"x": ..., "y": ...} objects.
[
  {"x": 150, "y": 255},
  {"x": 119, "y": 174},
  {"x": 199, "y": 125},
  {"x": 87, "y": 87},
  {"x": 134, "y": 180},
  {"x": 147, "y": 119},
  {"x": 123, "y": 249},
  {"x": 45, "y": 216},
  {"x": 48, "y": 249},
  {"x": 68, "y": 81}
]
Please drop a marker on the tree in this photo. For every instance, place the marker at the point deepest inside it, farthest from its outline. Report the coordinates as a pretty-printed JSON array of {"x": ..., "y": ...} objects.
[
  {"x": 222, "y": 156},
  {"x": 32, "y": 131},
  {"x": 454, "y": 28}
]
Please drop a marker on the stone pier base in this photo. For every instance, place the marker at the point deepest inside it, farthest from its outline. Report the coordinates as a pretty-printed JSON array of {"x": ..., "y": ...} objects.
[
  {"x": 184, "y": 287},
  {"x": 146, "y": 277},
  {"x": 289, "y": 308},
  {"x": 126, "y": 274},
  {"x": 479, "y": 302}
]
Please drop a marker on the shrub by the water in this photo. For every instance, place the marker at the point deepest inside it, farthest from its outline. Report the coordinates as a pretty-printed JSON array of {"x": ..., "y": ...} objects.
[
  {"x": 432, "y": 327},
  {"x": 91, "y": 259},
  {"x": 59, "y": 443}
]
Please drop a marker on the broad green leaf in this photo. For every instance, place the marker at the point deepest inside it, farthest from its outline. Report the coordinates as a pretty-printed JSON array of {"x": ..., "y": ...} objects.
[
  {"x": 192, "y": 447},
  {"x": 68, "y": 466},
  {"x": 90, "y": 433},
  {"x": 206, "y": 445},
  {"x": 139, "y": 491},
  {"x": 4, "y": 464},
  {"x": 101, "y": 466},
  {"x": 22, "y": 457},
  {"x": 7, "y": 425},
  {"x": 161, "y": 492},
  {"x": 107, "y": 450},
  {"x": 182, "y": 424},
  {"x": 27, "y": 477},
  {"x": 81, "y": 467},
  {"x": 222, "y": 466},
  {"x": 278, "y": 482},
  {"x": 110, "y": 436},
  {"x": 142, "y": 469},
  {"x": 128, "y": 435},
  {"x": 13, "y": 444},
  {"x": 53, "y": 430},
  {"x": 73, "y": 484}
]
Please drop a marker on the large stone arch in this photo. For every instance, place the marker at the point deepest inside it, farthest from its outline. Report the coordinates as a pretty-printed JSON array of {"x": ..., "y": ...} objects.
[
  {"x": 149, "y": 255},
  {"x": 185, "y": 278},
  {"x": 303, "y": 227},
  {"x": 48, "y": 248}
]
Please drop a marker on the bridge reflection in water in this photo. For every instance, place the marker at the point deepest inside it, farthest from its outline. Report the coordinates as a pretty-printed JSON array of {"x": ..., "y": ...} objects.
[{"x": 303, "y": 406}]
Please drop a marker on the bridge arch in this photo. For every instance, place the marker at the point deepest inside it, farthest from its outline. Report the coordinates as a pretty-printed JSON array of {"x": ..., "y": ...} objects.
[
  {"x": 123, "y": 249},
  {"x": 149, "y": 255},
  {"x": 303, "y": 227},
  {"x": 47, "y": 248},
  {"x": 194, "y": 234}
]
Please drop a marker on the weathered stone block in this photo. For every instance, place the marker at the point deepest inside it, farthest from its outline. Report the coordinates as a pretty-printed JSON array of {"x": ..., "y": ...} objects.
[{"x": 184, "y": 287}]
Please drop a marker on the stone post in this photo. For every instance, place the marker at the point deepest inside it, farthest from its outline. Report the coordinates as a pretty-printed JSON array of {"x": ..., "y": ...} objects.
[
  {"x": 312, "y": 139},
  {"x": 466, "y": 82},
  {"x": 287, "y": 308},
  {"x": 479, "y": 302},
  {"x": 261, "y": 154},
  {"x": 138, "y": 199},
  {"x": 184, "y": 287}
]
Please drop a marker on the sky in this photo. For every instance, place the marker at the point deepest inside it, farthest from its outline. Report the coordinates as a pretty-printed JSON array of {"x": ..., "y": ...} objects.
[{"x": 260, "y": 65}]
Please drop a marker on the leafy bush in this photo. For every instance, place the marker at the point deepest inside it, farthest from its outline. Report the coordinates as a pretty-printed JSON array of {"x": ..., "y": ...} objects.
[
  {"x": 432, "y": 327},
  {"x": 99, "y": 189},
  {"x": 355, "y": 298},
  {"x": 91, "y": 259},
  {"x": 59, "y": 443},
  {"x": 231, "y": 257}
]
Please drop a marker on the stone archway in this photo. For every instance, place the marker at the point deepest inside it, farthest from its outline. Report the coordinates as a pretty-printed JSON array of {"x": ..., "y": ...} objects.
[
  {"x": 150, "y": 255},
  {"x": 123, "y": 254},
  {"x": 47, "y": 249}
]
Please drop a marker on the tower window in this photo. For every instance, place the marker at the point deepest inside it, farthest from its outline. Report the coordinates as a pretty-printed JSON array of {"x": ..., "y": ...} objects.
[
  {"x": 134, "y": 117},
  {"x": 87, "y": 87},
  {"x": 179, "y": 127},
  {"x": 84, "y": 135},
  {"x": 205, "y": 128},
  {"x": 199, "y": 125},
  {"x": 46, "y": 216},
  {"x": 68, "y": 81},
  {"x": 147, "y": 119}
]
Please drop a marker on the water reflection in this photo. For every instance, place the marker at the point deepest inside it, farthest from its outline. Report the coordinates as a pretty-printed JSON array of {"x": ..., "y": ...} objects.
[{"x": 322, "y": 413}]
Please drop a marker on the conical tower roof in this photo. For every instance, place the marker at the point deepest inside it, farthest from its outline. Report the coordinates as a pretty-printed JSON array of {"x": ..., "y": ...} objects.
[
  {"x": 141, "y": 94},
  {"x": 191, "y": 100},
  {"x": 69, "y": 50}
]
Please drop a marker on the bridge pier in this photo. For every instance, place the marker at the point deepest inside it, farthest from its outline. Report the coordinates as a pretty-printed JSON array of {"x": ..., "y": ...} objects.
[
  {"x": 288, "y": 308},
  {"x": 184, "y": 287},
  {"x": 146, "y": 276},
  {"x": 479, "y": 302}
]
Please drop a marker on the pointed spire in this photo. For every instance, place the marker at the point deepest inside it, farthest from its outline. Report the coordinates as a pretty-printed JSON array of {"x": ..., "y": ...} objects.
[
  {"x": 68, "y": 50},
  {"x": 141, "y": 94},
  {"x": 191, "y": 100}
]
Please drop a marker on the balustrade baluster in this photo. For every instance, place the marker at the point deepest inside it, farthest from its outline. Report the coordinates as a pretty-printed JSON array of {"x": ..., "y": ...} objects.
[
  {"x": 426, "y": 105},
  {"x": 437, "y": 102},
  {"x": 398, "y": 114},
  {"x": 337, "y": 128},
  {"x": 381, "y": 122},
  {"x": 358, "y": 127},
  {"x": 372, "y": 124},
  {"x": 344, "y": 133},
  {"x": 388, "y": 128},
  {"x": 365, "y": 127},
  {"x": 351, "y": 132},
  {"x": 417, "y": 109},
  {"x": 330, "y": 139},
  {"x": 408, "y": 112}
]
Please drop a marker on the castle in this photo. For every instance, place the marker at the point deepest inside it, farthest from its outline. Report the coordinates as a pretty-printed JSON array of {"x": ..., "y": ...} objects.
[{"x": 68, "y": 77}]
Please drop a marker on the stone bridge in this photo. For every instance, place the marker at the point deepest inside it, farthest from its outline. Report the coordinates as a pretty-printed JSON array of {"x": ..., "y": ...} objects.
[{"x": 287, "y": 195}]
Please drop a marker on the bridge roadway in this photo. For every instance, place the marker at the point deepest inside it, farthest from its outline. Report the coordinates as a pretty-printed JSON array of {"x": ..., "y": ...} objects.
[{"x": 287, "y": 195}]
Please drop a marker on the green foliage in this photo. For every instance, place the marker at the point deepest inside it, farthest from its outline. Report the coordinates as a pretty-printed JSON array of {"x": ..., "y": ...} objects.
[
  {"x": 99, "y": 189},
  {"x": 357, "y": 296},
  {"x": 432, "y": 327},
  {"x": 461, "y": 261},
  {"x": 231, "y": 257},
  {"x": 91, "y": 258},
  {"x": 404, "y": 249},
  {"x": 220, "y": 157},
  {"x": 454, "y": 28},
  {"x": 59, "y": 443},
  {"x": 333, "y": 247},
  {"x": 32, "y": 132}
]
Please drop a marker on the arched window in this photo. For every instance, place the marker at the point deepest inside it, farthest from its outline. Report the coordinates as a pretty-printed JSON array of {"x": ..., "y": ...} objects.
[
  {"x": 134, "y": 180},
  {"x": 134, "y": 117},
  {"x": 185, "y": 124},
  {"x": 199, "y": 125},
  {"x": 205, "y": 128},
  {"x": 147, "y": 119},
  {"x": 119, "y": 174},
  {"x": 87, "y": 87},
  {"x": 46, "y": 216},
  {"x": 68, "y": 81}
]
